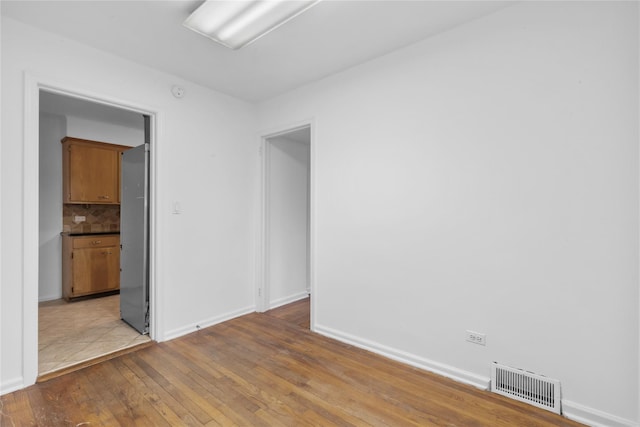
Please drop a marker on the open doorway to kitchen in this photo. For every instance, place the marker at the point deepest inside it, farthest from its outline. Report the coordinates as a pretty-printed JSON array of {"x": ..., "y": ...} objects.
[
  {"x": 286, "y": 252},
  {"x": 79, "y": 318}
]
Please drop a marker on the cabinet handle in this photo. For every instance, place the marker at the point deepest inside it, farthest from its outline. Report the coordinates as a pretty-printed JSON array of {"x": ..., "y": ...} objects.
[
  {"x": 96, "y": 242},
  {"x": 106, "y": 253},
  {"x": 103, "y": 197}
]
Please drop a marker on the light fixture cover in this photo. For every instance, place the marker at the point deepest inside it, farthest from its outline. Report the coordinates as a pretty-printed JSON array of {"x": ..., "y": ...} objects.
[{"x": 237, "y": 23}]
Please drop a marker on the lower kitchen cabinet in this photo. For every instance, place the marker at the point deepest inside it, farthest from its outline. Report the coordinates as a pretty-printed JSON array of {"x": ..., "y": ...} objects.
[{"x": 90, "y": 264}]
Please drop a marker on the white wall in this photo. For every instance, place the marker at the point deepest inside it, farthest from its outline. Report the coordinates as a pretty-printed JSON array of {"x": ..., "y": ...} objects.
[
  {"x": 288, "y": 220},
  {"x": 205, "y": 158},
  {"x": 484, "y": 179},
  {"x": 52, "y": 129},
  {"x": 101, "y": 130},
  {"x": 487, "y": 179}
]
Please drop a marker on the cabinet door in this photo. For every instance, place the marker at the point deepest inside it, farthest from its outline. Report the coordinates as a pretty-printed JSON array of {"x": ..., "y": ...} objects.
[
  {"x": 95, "y": 270},
  {"x": 112, "y": 261},
  {"x": 93, "y": 175}
]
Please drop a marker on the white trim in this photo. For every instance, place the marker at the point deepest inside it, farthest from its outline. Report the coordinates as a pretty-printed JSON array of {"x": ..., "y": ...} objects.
[
  {"x": 288, "y": 300},
  {"x": 30, "y": 230},
  {"x": 205, "y": 323},
  {"x": 156, "y": 289},
  {"x": 32, "y": 86},
  {"x": 262, "y": 265},
  {"x": 448, "y": 371},
  {"x": 2, "y": 390},
  {"x": 11, "y": 386},
  {"x": 571, "y": 410},
  {"x": 313, "y": 287},
  {"x": 262, "y": 276},
  {"x": 638, "y": 260},
  {"x": 593, "y": 417}
]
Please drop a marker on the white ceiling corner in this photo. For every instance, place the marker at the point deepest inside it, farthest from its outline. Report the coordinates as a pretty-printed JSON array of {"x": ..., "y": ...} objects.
[{"x": 330, "y": 37}]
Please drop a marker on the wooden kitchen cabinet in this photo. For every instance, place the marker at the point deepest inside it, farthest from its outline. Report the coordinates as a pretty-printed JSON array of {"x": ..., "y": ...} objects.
[
  {"x": 90, "y": 264},
  {"x": 91, "y": 171}
]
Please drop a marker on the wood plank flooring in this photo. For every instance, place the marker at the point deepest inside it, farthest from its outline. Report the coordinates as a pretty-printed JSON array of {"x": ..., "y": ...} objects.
[
  {"x": 261, "y": 370},
  {"x": 296, "y": 313}
]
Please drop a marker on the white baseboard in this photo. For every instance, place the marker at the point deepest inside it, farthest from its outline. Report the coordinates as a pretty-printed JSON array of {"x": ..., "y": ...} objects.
[
  {"x": 593, "y": 417},
  {"x": 574, "y": 411},
  {"x": 11, "y": 385},
  {"x": 178, "y": 332},
  {"x": 448, "y": 371},
  {"x": 287, "y": 300}
]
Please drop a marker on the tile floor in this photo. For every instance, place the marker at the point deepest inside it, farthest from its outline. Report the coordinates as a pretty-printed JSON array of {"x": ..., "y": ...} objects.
[{"x": 73, "y": 332}]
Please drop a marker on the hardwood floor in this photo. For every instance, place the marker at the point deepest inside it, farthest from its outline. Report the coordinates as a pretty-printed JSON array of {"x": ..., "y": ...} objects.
[
  {"x": 261, "y": 370},
  {"x": 296, "y": 313}
]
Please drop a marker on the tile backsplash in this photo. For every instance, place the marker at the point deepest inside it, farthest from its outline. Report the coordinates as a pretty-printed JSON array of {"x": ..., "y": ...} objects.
[{"x": 98, "y": 218}]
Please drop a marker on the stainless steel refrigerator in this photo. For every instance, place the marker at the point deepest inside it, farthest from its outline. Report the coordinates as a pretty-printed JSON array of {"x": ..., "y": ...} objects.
[{"x": 134, "y": 236}]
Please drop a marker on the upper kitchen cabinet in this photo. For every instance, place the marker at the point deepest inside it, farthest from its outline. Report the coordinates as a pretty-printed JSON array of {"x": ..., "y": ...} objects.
[{"x": 91, "y": 171}]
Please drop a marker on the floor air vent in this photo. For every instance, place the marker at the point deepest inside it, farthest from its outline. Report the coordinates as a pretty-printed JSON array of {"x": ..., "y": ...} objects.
[{"x": 526, "y": 387}]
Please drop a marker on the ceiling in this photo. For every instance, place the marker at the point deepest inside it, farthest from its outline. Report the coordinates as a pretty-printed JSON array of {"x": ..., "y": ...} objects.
[
  {"x": 330, "y": 37},
  {"x": 62, "y": 105}
]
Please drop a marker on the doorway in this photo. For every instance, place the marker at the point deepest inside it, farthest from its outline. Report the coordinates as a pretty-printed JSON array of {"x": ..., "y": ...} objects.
[
  {"x": 72, "y": 333},
  {"x": 287, "y": 238}
]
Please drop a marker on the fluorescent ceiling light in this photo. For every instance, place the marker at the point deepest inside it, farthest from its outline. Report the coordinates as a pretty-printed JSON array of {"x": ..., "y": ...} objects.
[{"x": 236, "y": 23}]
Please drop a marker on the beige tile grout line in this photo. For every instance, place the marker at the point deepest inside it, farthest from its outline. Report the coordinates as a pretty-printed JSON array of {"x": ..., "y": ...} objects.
[{"x": 95, "y": 321}]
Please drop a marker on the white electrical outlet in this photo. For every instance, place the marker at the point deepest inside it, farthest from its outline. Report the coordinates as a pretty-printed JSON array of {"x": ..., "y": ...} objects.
[{"x": 476, "y": 338}]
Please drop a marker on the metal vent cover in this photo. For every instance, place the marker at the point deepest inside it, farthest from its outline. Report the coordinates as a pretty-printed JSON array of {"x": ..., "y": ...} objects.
[{"x": 526, "y": 387}]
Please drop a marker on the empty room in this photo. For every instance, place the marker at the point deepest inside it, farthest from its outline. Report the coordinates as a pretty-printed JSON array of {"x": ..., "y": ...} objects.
[{"x": 358, "y": 213}]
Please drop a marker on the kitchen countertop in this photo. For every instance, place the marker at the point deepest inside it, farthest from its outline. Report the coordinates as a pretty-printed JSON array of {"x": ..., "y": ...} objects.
[{"x": 90, "y": 233}]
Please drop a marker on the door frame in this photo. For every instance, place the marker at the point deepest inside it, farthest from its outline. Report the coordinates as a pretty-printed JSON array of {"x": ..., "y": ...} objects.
[
  {"x": 31, "y": 199},
  {"x": 262, "y": 282}
]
